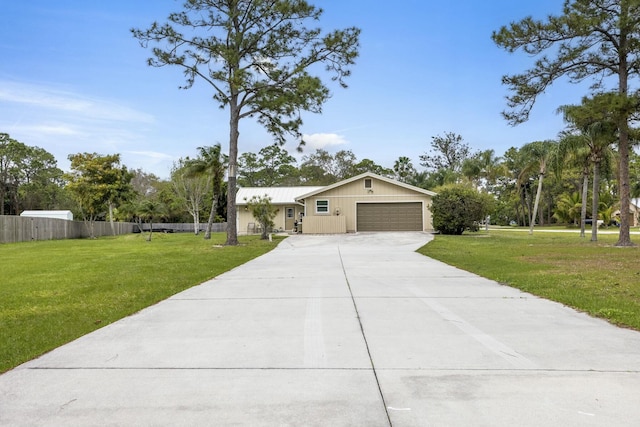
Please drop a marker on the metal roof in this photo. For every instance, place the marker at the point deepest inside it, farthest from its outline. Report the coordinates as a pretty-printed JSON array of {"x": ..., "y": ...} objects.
[{"x": 279, "y": 195}]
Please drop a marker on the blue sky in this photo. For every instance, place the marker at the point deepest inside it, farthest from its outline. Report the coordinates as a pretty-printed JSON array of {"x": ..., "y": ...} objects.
[{"x": 73, "y": 79}]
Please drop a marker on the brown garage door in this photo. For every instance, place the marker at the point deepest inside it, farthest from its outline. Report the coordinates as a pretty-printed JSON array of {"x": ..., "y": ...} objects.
[{"x": 390, "y": 216}]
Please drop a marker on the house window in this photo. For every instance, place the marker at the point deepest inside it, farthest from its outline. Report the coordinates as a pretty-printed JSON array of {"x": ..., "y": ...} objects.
[
  {"x": 290, "y": 213},
  {"x": 322, "y": 206},
  {"x": 368, "y": 184}
]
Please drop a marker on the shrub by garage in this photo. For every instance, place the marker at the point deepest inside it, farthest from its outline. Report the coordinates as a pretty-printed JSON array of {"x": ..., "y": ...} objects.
[{"x": 457, "y": 208}]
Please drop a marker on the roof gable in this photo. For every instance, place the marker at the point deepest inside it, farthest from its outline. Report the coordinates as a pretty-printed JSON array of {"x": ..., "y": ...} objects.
[{"x": 362, "y": 176}]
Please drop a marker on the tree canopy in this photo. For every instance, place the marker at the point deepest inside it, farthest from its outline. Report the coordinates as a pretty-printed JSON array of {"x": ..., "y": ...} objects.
[
  {"x": 29, "y": 177},
  {"x": 96, "y": 182},
  {"x": 591, "y": 39},
  {"x": 258, "y": 57}
]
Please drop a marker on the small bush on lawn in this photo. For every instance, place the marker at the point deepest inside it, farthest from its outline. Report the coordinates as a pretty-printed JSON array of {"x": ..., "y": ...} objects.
[{"x": 457, "y": 208}]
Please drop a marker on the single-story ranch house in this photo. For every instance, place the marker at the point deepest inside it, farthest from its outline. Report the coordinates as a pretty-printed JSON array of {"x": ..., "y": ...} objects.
[{"x": 367, "y": 202}]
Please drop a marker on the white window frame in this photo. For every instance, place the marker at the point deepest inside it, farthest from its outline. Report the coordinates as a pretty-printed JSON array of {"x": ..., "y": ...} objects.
[
  {"x": 370, "y": 181},
  {"x": 292, "y": 211},
  {"x": 322, "y": 212}
]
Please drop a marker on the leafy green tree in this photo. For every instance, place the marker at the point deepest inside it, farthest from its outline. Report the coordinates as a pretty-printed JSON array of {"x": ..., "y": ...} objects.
[
  {"x": 264, "y": 213},
  {"x": 368, "y": 165},
  {"x": 248, "y": 170},
  {"x": 29, "y": 177},
  {"x": 144, "y": 183},
  {"x": 272, "y": 166},
  {"x": 324, "y": 168},
  {"x": 317, "y": 168},
  {"x": 590, "y": 39},
  {"x": 11, "y": 154},
  {"x": 42, "y": 183},
  {"x": 211, "y": 162},
  {"x": 457, "y": 208},
  {"x": 257, "y": 56},
  {"x": 421, "y": 180},
  {"x": 96, "y": 183},
  {"x": 343, "y": 165},
  {"x": 440, "y": 177},
  {"x": 447, "y": 152},
  {"x": 119, "y": 189},
  {"x": 190, "y": 190}
]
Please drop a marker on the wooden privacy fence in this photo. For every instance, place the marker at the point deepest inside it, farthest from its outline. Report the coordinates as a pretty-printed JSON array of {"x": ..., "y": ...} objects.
[
  {"x": 180, "y": 227},
  {"x": 15, "y": 229}
]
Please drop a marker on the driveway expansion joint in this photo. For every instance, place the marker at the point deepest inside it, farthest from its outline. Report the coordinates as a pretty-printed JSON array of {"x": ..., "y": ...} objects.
[{"x": 364, "y": 337}]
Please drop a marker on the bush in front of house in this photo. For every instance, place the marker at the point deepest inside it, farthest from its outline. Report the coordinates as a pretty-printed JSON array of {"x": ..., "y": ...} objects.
[
  {"x": 457, "y": 208},
  {"x": 263, "y": 212}
]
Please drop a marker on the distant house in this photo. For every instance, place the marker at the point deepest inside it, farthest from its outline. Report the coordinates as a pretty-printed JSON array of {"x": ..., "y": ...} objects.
[
  {"x": 68, "y": 215},
  {"x": 634, "y": 212},
  {"x": 367, "y": 202}
]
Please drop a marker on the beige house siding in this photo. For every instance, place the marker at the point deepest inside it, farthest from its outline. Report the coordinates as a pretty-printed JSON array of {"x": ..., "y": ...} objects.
[
  {"x": 246, "y": 219},
  {"x": 343, "y": 201},
  {"x": 324, "y": 224}
]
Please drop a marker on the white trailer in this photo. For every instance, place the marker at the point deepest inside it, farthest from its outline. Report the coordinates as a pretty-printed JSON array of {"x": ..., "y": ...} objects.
[{"x": 68, "y": 215}]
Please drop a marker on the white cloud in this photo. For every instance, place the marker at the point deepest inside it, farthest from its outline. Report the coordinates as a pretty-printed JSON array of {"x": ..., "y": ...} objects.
[
  {"x": 50, "y": 129},
  {"x": 151, "y": 154},
  {"x": 323, "y": 140},
  {"x": 66, "y": 102},
  {"x": 149, "y": 161}
]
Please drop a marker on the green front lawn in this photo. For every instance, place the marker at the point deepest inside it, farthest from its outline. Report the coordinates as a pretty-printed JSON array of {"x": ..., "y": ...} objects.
[
  {"x": 52, "y": 292},
  {"x": 597, "y": 278}
]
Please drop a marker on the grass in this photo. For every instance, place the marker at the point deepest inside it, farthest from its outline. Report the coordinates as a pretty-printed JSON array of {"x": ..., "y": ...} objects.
[
  {"x": 594, "y": 277},
  {"x": 53, "y": 292}
]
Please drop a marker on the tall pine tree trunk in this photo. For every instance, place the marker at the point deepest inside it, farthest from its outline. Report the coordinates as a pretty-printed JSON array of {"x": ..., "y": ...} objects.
[
  {"x": 232, "y": 227},
  {"x": 624, "y": 238}
]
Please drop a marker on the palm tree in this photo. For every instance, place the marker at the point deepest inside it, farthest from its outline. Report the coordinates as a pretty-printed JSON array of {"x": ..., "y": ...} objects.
[
  {"x": 592, "y": 132},
  {"x": 539, "y": 155},
  {"x": 212, "y": 163},
  {"x": 482, "y": 169},
  {"x": 573, "y": 150},
  {"x": 568, "y": 208},
  {"x": 151, "y": 210},
  {"x": 420, "y": 179},
  {"x": 403, "y": 168}
]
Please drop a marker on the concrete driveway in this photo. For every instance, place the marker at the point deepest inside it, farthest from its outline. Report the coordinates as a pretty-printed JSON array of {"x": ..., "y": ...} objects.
[{"x": 352, "y": 330}]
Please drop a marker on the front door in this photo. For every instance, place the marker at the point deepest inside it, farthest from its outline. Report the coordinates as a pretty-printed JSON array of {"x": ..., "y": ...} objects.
[{"x": 290, "y": 216}]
